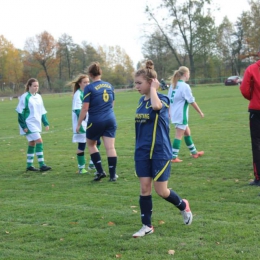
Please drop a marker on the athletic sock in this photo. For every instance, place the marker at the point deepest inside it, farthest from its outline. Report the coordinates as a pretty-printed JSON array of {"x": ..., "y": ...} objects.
[
  {"x": 190, "y": 144},
  {"x": 146, "y": 207},
  {"x": 95, "y": 157},
  {"x": 176, "y": 200},
  {"x": 39, "y": 153},
  {"x": 30, "y": 155},
  {"x": 176, "y": 148},
  {"x": 81, "y": 160},
  {"x": 112, "y": 161}
]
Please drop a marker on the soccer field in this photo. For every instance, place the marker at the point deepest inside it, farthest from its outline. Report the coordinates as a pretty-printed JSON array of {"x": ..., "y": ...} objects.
[{"x": 62, "y": 215}]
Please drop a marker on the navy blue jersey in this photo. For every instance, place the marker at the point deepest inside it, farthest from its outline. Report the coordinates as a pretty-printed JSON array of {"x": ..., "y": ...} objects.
[
  {"x": 152, "y": 130},
  {"x": 100, "y": 96}
]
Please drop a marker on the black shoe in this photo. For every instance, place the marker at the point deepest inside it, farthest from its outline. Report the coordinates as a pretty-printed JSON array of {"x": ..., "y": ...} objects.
[
  {"x": 112, "y": 179},
  {"x": 32, "y": 169},
  {"x": 45, "y": 168},
  {"x": 99, "y": 176},
  {"x": 255, "y": 183}
]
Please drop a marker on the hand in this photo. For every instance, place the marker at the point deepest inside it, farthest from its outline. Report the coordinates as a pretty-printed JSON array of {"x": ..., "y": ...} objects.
[
  {"x": 77, "y": 129},
  {"x": 201, "y": 115},
  {"x": 155, "y": 84},
  {"x": 47, "y": 128},
  {"x": 25, "y": 130}
]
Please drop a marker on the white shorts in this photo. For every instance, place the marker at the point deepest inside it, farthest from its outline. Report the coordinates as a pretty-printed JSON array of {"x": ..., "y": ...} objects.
[
  {"x": 33, "y": 137},
  {"x": 79, "y": 138},
  {"x": 180, "y": 126}
]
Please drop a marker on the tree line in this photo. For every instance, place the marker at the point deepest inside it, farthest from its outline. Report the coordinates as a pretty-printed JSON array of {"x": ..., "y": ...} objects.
[
  {"x": 56, "y": 62},
  {"x": 184, "y": 32}
]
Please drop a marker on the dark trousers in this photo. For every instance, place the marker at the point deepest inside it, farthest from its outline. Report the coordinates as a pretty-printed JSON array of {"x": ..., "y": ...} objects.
[{"x": 254, "y": 123}]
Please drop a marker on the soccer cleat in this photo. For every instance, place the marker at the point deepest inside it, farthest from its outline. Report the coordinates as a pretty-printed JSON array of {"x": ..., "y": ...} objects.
[
  {"x": 91, "y": 166},
  {"x": 113, "y": 179},
  {"x": 82, "y": 171},
  {"x": 32, "y": 169},
  {"x": 197, "y": 155},
  {"x": 186, "y": 214},
  {"x": 145, "y": 230},
  {"x": 45, "y": 168},
  {"x": 254, "y": 183},
  {"x": 176, "y": 160},
  {"x": 99, "y": 176}
]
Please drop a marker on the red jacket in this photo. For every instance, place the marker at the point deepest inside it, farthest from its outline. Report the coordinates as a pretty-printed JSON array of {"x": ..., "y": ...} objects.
[{"x": 250, "y": 86}]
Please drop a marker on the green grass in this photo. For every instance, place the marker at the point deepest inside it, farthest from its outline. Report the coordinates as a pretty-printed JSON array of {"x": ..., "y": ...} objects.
[{"x": 61, "y": 215}]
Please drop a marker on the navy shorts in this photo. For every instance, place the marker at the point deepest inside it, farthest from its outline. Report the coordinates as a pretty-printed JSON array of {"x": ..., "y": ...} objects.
[
  {"x": 159, "y": 170},
  {"x": 105, "y": 128}
]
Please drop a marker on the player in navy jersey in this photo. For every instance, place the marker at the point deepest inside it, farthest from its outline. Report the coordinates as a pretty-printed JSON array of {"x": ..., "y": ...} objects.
[
  {"x": 98, "y": 101},
  {"x": 153, "y": 151}
]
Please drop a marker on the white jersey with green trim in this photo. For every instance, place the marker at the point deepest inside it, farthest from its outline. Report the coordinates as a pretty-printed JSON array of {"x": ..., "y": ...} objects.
[
  {"x": 180, "y": 98},
  {"x": 77, "y": 105},
  {"x": 32, "y": 109}
]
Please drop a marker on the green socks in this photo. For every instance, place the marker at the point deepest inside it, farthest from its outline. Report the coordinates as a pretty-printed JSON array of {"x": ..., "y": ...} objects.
[
  {"x": 175, "y": 148},
  {"x": 190, "y": 144},
  {"x": 81, "y": 160},
  {"x": 30, "y": 155},
  {"x": 39, "y": 153}
]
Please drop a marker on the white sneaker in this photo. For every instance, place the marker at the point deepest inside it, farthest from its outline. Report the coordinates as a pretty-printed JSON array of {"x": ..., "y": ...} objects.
[
  {"x": 145, "y": 230},
  {"x": 186, "y": 214}
]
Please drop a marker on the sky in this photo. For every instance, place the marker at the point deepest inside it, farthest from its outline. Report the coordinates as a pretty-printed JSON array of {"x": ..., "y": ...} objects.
[{"x": 98, "y": 22}]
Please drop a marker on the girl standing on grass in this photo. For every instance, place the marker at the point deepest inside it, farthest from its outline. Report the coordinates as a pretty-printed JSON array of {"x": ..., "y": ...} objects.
[
  {"x": 153, "y": 148},
  {"x": 180, "y": 96},
  {"x": 78, "y": 84},
  {"x": 98, "y": 101},
  {"x": 31, "y": 112}
]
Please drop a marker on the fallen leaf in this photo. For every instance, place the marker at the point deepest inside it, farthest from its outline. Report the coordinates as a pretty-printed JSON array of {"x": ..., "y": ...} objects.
[
  {"x": 236, "y": 180},
  {"x": 61, "y": 239},
  {"x": 111, "y": 223},
  {"x": 53, "y": 185},
  {"x": 161, "y": 222},
  {"x": 6, "y": 232},
  {"x": 118, "y": 256},
  {"x": 133, "y": 207},
  {"x": 45, "y": 224},
  {"x": 171, "y": 252},
  {"x": 217, "y": 243},
  {"x": 135, "y": 211},
  {"x": 73, "y": 223}
]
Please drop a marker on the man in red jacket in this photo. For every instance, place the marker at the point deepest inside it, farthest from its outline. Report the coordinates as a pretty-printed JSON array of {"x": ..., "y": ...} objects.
[{"x": 250, "y": 89}]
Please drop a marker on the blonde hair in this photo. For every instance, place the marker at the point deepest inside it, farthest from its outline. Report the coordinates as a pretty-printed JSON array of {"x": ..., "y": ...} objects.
[
  {"x": 75, "y": 83},
  {"x": 178, "y": 74},
  {"x": 29, "y": 83},
  {"x": 147, "y": 72}
]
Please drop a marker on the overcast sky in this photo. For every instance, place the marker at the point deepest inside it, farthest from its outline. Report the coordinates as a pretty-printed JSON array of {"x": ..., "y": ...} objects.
[{"x": 99, "y": 22}]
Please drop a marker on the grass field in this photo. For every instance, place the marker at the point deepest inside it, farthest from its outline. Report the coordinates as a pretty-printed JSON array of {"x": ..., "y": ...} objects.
[{"x": 62, "y": 215}]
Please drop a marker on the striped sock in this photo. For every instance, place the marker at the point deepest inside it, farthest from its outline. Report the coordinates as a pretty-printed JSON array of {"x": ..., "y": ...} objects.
[
  {"x": 176, "y": 148},
  {"x": 30, "y": 155},
  {"x": 190, "y": 144},
  {"x": 39, "y": 153}
]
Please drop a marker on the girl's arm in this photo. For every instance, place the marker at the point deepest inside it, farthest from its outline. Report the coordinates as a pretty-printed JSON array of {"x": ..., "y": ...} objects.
[
  {"x": 194, "y": 104},
  {"x": 82, "y": 115},
  {"x": 155, "y": 101}
]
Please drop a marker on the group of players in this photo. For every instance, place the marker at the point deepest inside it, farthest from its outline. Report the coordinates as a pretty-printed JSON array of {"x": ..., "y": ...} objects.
[{"x": 93, "y": 117}]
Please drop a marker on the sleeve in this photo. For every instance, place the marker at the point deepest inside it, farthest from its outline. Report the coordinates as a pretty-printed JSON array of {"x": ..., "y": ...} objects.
[
  {"x": 188, "y": 94},
  {"x": 21, "y": 121},
  {"x": 77, "y": 112},
  {"x": 20, "y": 110},
  {"x": 86, "y": 96},
  {"x": 170, "y": 92},
  {"x": 246, "y": 85},
  {"x": 45, "y": 120}
]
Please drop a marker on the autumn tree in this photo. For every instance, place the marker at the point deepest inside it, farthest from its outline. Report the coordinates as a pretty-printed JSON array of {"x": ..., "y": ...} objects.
[
  {"x": 43, "y": 49},
  {"x": 187, "y": 29},
  {"x": 11, "y": 66}
]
